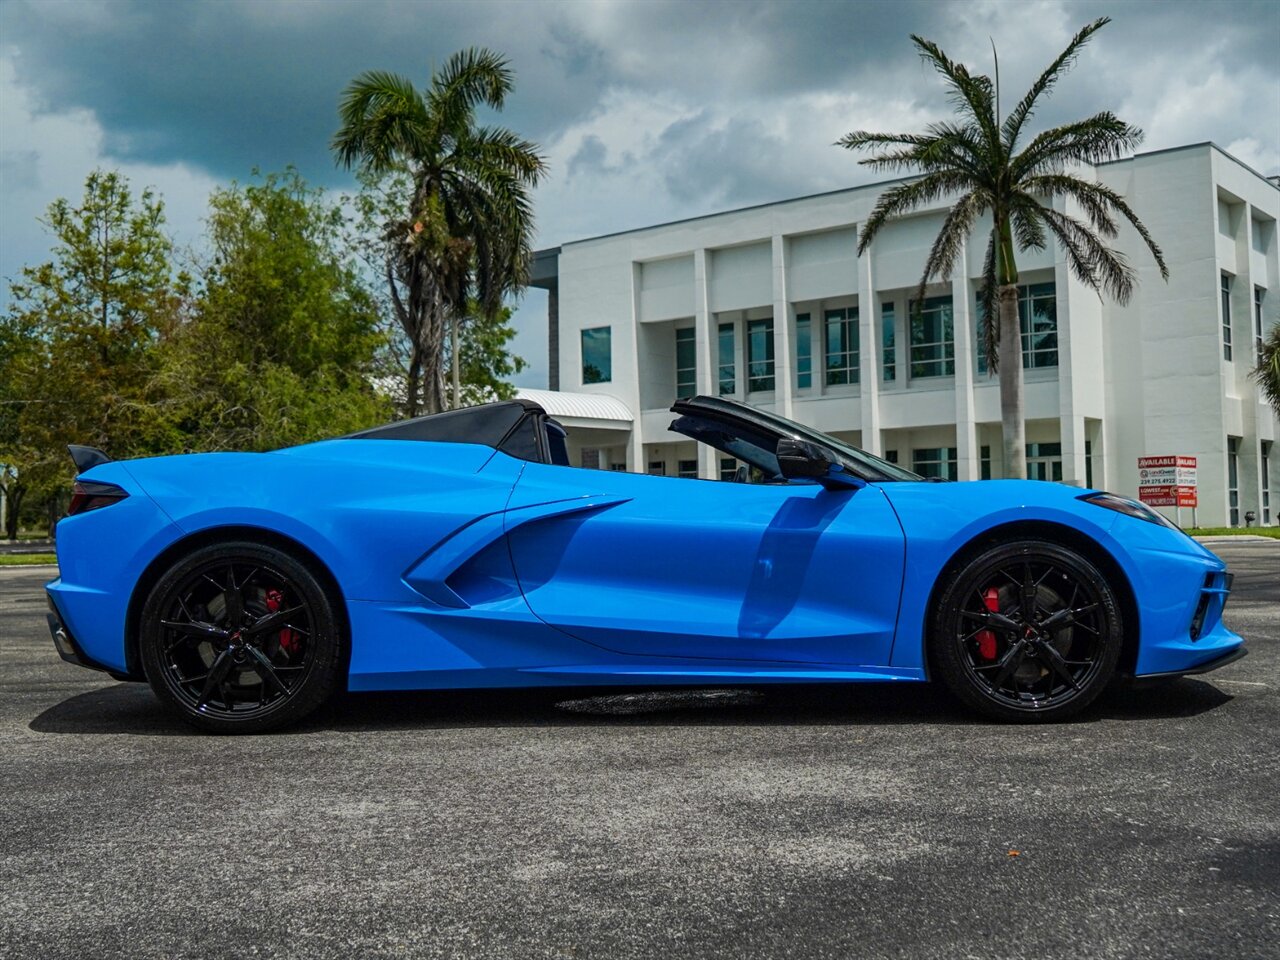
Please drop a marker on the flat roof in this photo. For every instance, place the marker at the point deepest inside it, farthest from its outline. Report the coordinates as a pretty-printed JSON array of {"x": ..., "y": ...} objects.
[{"x": 551, "y": 254}]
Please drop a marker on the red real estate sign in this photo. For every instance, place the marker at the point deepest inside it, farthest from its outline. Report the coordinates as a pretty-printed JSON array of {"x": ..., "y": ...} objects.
[
  {"x": 1168, "y": 481},
  {"x": 1168, "y": 496}
]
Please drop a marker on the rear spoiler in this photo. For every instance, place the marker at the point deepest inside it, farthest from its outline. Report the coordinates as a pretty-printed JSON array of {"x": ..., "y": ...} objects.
[{"x": 86, "y": 458}]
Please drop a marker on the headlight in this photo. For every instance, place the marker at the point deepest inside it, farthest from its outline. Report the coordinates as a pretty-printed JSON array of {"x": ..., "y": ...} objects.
[{"x": 1130, "y": 508}]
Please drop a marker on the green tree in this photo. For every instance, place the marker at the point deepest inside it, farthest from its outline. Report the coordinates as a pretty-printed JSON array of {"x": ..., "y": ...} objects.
[
  {"x": 976, "y": 159},
  {"x": 77, "y": 358},
  {"x": 486, "y": 364},
  {"x": 1267, "y": 373},
  {"x": 280, "y": 344},
  {"x": 465, "y": 233}
]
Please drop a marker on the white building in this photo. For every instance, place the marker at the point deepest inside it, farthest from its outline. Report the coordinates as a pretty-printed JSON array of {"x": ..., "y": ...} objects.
[{"x": 772, "y": 305}]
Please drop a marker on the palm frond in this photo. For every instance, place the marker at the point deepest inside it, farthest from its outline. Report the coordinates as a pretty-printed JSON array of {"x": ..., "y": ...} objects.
[
  {"x": 1044, "y": 84},
  {"x": 1094, "y": 205},
  {"x": 502, "y": 149},
  {"x": 382, "y": 118},
  {"x": 1092, "y": 261},
  {"x": 973, "y": 92},
  {"x": 1028, "y": 229},
  {"x": 1094, "y": 140},
  {"x": 861, "y": 139},
  {"x": 1267, "y": 373},
  {"x": 468, "y": 79},
  {"x": 909, "y": 196},
  {"x": 951, "y": 238},
  {"x": 1097, "y": 200},
  {"x": 945, "y": 147}
]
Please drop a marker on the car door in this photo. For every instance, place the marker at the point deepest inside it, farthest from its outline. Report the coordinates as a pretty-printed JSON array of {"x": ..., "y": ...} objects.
[{"x": 673, "y": 567}]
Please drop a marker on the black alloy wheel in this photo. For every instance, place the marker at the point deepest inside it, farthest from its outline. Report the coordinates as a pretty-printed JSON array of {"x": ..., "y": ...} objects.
[
  {"x": 240, "y": 637},
  {"x": 1029, "y": 631}
]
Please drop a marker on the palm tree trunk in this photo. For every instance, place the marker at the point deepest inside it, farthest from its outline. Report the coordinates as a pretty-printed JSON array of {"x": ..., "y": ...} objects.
[
  {"x": 1011, "y": 404},
  {"x": 457, "y": 360},
  {"x": 413, "y": 382}
]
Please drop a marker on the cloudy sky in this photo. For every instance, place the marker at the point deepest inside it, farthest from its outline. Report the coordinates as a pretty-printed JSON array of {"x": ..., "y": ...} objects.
[{"x": 646, "y": 110}]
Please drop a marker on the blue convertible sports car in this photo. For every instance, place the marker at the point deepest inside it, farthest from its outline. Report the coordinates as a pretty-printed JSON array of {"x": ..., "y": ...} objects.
[{"x": 461, "y": 550}]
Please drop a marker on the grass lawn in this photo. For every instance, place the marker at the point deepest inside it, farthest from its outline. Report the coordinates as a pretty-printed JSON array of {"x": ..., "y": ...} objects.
[
  {"x": 26, "y": 559},
  {"x": 1272, "y": 532}
]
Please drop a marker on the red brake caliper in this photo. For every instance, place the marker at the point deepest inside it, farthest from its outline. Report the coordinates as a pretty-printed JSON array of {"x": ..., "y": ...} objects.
[
  {"x": 289, "y": 641},
  {"x": 987, "y": 639}
]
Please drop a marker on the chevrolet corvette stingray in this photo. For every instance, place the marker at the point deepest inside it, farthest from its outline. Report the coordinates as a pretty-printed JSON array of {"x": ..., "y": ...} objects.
[{"x": 462, "y": 550}]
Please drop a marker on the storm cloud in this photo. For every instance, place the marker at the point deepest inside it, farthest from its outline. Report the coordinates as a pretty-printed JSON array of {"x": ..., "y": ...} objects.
[{"x": 646, "y": 110}]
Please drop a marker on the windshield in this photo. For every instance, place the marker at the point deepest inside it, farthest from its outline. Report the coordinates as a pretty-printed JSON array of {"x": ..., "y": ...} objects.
[{"x": 859, "y": 462}]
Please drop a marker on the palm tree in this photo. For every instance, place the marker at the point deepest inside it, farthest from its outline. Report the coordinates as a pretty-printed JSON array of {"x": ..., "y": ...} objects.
[
  {"x": 466, "y": 231},
  {"x": 975, "y": 159},
  {"x": 1267, "y": 373}
]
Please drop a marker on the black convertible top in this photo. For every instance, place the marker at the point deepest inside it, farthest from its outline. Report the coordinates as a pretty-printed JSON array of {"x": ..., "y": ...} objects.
[{"x": 518, "y": 428}]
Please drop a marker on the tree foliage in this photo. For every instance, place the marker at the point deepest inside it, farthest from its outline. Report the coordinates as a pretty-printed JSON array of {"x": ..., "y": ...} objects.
[
  {"x": 462, "y": 231},
  {"x": 280, "y": 344},
  {"x": 77, "y": 358},
  {"x": 976, "y": 159},
  {"x": 276, "y": 343},
  {"x": 1267, "y": 373}
]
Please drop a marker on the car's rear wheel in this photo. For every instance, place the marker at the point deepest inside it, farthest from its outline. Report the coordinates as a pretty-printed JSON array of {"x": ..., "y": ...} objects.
[
  {"x": 1027, "y": 631},
  {"x": 240, "y": 638}
]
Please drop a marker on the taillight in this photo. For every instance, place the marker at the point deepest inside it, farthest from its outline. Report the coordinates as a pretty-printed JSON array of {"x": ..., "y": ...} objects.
[{"x": 88, "y": 495}]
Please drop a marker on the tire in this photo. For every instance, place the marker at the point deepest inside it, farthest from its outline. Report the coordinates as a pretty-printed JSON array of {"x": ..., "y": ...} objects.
[
  {"x": 240, "y": 637},
  {"x": 1027, "y": 631}
]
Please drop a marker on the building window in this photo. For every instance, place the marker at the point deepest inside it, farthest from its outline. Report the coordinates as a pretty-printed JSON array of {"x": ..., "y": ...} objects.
[
  {"x": 985, "y": 462},
  {"x": 727, "y": 376},
  {"x": 597, "y": 355},
  {"x": 1226, "y": 316},
  {"x": 935, "y": 462},
  {"x": 728, "y": 468},
  {"x": 687, "y": 469},
  {"x": 1038, "y": 316},
  {"x": 889, "y": 357},
  {"x": 891, "y": 456},
  {"x": 1266, "y": 482},
  {"x": 618, "y": 467},
  {"x": 1038, "y": 320},
  {"x": 1088, "y": 464},
  {"x": 591, "y": 458},
  {"x": 1044, "y": 461},
  {"x": 686, "y": 363},
  {"x": 1258, "y": 294},
  {"x": 760, "y": 354},
  {"x": 1233, "y": 479},
  {"x": 933, "y": 349},
  {"x": 804, "y": 352},
  {"x": 657, "y": 468},
  {"x": 842, "y": 346}
]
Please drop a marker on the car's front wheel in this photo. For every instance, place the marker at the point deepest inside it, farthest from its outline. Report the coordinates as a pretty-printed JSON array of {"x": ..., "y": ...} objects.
[
  {"x": 240, "y": 638},
  {"x": 1027, "y": 630}
]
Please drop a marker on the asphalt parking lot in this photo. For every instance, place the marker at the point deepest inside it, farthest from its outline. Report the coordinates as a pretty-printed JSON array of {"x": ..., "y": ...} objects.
[{"x": 828, "y": 822}]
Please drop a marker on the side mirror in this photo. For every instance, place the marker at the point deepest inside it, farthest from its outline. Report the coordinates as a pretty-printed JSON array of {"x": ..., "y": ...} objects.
[{"x": 800, "y": 459}]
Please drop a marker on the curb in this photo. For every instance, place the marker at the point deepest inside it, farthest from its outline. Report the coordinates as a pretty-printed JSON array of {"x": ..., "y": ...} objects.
[{"x": 1243, "y": 538}]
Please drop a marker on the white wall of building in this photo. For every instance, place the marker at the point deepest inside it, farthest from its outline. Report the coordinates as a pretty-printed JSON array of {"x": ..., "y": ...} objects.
[{"x": 1143, "y": 378}]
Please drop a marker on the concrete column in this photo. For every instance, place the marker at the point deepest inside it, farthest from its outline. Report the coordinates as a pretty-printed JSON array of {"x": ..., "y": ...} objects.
[
  {"x": 553, "y": 337},
  {"x": 869, "y": 358},
  {"x": 1071, "y": 430},
  {"x": 704, "y": 338},
  {"x": 784, "y": 367},
  {"x": 1242, "y": 323},
  {"x": 968, "y": 453},
  {"x": 635, "y": 444}
]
